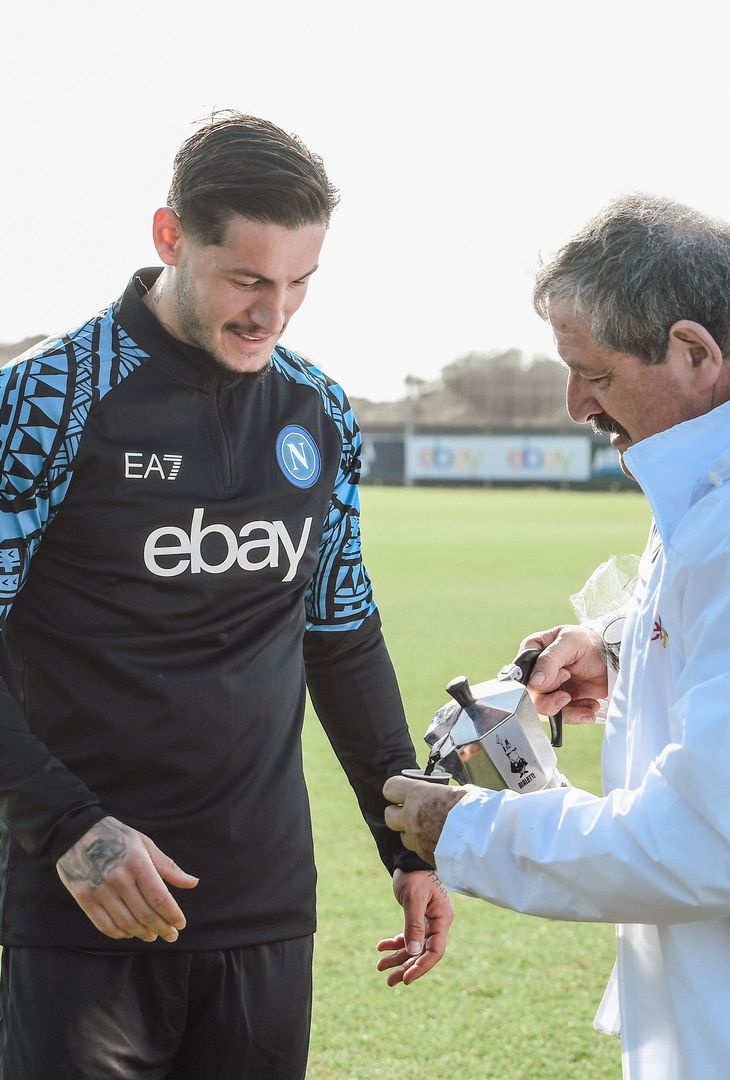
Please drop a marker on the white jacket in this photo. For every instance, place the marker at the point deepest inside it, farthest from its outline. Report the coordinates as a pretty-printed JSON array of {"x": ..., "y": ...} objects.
[{"x": 653, "y": 855}]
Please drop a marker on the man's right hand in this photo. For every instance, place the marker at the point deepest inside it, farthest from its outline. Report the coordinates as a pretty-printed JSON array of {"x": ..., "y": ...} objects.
[
  {"x": 117, "y": 877},
  {"x": 569, "y": 674}
]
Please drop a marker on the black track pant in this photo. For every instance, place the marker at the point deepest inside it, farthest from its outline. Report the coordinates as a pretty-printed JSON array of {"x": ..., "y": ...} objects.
[{"x": 233, "y": 1014}]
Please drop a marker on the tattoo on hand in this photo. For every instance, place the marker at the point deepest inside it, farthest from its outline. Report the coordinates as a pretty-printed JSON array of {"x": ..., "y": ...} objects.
[
  {"x": 92, "y": 861},
  {"x": 437, "y": 881}
]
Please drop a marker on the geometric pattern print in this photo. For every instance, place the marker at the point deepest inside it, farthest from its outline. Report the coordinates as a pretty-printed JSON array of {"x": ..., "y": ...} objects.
[
  {"x": 335, "y": 403},
  {"x": 340, "y": 596},
  {"x": 45, "y": 399}
]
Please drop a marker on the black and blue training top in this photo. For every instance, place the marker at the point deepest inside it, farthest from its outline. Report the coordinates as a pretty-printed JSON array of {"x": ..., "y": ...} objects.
[{"x": 179, "y": 545}]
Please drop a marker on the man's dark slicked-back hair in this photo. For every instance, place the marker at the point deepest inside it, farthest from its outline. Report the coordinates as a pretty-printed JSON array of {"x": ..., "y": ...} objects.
[
  {"x": 639, "y": 266},
  {"x": 237, "y": 164}
]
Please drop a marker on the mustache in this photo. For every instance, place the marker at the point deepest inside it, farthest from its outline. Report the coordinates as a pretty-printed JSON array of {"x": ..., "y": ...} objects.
[
  {"x": 603, "y": 424},
  {"x": 252, "y": 330}
]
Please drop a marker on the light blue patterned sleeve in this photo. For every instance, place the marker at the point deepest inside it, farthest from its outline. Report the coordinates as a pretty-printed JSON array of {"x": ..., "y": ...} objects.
[
  {"x": 340, "y": 596},
  {"x": 45, "y": 399}
]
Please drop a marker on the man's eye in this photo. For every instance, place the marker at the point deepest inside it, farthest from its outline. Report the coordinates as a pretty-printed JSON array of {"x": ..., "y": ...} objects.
[{"x": 244, "y": 284}]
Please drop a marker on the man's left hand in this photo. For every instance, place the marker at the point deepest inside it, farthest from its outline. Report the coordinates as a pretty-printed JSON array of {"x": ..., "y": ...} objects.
[{"x": 428, "y": 914}]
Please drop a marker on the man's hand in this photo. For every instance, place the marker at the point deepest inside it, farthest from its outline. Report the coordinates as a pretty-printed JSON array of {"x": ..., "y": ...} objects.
[
  {"x": 570, "y": 673},
  {"x": 117, "y": 877},
  {"x": 419, "y": 813},
  {"x": 428, "y": 914}
]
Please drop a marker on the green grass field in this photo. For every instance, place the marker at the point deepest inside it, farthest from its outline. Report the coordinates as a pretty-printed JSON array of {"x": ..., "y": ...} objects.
[{"x": 460, "y": 577}]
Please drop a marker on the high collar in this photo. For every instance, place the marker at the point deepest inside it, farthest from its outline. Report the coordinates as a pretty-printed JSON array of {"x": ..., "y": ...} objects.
[
  {"x": 677, "y": 467},
  {"x": 184, "y": 362}
]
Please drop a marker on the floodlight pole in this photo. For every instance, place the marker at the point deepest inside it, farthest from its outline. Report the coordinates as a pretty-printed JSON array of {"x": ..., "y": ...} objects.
[{"x": 413, "y": 390}]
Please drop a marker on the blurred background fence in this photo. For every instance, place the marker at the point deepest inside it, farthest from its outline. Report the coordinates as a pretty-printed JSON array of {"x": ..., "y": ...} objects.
[{"x": 490, "y": 418}]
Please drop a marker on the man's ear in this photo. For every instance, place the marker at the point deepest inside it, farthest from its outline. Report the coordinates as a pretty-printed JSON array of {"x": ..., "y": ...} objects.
[
  {"x": 694, "y": 353},
  {"x": 167, "y": 232}
]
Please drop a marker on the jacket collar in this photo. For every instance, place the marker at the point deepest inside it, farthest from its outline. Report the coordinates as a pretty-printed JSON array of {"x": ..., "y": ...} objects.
[
  {"x": 178, "y": 359},
  {"x": 677, "y": 467}
]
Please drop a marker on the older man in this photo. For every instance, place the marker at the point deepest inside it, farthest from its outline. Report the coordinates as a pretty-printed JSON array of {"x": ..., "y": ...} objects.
[{"x": 639, "y": 302}]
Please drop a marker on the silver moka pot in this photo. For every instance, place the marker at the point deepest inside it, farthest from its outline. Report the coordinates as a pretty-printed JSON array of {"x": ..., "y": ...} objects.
[{"x": 491, "y": 735}]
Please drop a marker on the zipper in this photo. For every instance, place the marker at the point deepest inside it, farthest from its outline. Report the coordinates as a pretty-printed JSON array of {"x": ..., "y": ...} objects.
[{"x": 226, "y": 451}]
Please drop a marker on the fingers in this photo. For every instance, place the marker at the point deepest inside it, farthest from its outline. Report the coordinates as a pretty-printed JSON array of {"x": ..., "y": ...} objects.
[
  {"x": 153, "y": 906},
  {"x": 396, "y": 788},
  {"x": 420, "y": 965},
  {"x": 414, "y": 923},
  {"x": 115, "y": 874},
  {"x": 398, "y": 975},
  {"x": 394, "y": 816},
  {"x": 581, "y": 711},
  {"x": 574, "y": 710},
  {"x": 147, "y": 896},
  {"x": 571, "y": 665},
  {"x": 159, "y": 911},
  {"x": 398, "y": 962},
  {"x": 103, "y": 921},
  {"x": 166, "y": 867},
  {"x": 550, "y": 704},
  {"x": 131, "y": 902},
  {"x": 552, "y": 666},
  {"x": 386, "y": 944},
  {"x": 540, "y": 639},
  {"x": 128, "y": 920},
  {"x": 405, "y": 968},
  {"x": 396, "y": 948}
]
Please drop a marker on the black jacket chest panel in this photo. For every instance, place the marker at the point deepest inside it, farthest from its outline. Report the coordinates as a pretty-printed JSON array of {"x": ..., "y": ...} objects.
[{"x": 178, "y": 492}]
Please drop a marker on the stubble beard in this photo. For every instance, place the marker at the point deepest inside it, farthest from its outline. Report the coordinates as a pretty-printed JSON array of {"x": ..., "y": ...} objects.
[{"x": 198, "y": 333}]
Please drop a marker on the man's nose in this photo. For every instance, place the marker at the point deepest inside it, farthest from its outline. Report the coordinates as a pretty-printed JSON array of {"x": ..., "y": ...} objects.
[
  {"x": 580, "y": 400},
  {"x": 269, "y": 310}
]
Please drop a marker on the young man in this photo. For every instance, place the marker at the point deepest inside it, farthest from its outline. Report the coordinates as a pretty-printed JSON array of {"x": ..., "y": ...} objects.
[
  {"x": 179, "y": 533},
  {"x": 640, "y": 305}
]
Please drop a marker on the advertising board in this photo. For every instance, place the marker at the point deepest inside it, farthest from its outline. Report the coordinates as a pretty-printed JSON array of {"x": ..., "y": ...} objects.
[{"x": 514, "y": 458}]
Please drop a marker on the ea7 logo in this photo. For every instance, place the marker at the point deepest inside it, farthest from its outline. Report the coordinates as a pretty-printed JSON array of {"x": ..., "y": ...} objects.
[
  {"x": 140, "y": 466},
  {"x": 170, "y": 551}
]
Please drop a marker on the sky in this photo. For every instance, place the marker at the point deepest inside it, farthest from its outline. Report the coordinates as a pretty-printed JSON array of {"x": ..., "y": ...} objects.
[{"x": 467, "y": 138}]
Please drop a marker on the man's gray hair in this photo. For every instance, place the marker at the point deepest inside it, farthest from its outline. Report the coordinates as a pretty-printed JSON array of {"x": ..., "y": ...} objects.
[{"x": 636, "y": 268}]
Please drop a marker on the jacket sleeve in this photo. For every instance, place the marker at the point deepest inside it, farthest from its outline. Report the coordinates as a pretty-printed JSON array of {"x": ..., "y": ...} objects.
[
  {"x": 44, "y": 806},
  {"x": 355, "y": 695},
  {"x": 656, "y": 853},
  {"x": 349, "y": 674}
]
